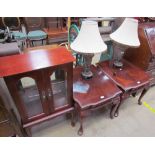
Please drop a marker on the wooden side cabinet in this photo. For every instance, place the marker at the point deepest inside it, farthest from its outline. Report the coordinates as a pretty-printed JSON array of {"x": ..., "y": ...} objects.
[
  {"x": 40, "y": 83},
  {"x": 144, "y": 55}
]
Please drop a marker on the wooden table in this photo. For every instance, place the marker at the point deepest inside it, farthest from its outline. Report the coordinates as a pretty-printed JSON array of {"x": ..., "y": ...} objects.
[
  {"x": 130, "y": 79},
  {"x": 94, "y": 93}
]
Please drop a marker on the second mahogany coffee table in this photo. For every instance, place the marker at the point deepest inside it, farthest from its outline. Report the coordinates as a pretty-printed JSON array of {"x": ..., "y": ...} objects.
[{"x": 130, "y": 79}]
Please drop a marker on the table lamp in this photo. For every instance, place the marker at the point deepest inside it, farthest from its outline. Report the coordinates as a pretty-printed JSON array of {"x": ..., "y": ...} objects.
[
  {"x": 124, "y": 37},
  {"x": 88, "y": 42}
]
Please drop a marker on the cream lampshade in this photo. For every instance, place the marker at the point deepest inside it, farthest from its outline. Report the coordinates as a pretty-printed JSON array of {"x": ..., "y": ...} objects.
[
  {"x": 124, "y": 37},
  {"x": 88, "y": 42}
]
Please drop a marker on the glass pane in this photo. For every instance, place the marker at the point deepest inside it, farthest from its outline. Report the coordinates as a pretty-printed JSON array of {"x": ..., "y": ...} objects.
[
  {"x": 59, "y": 87},
  {"x": 30, "y": 96}
]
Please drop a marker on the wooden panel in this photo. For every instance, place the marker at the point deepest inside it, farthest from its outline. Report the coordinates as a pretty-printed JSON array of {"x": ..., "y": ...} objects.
[
  {"x": 141, "y": 56},
  {"x": 150, "y": 32},
  {"x": 34, "y": 60}
]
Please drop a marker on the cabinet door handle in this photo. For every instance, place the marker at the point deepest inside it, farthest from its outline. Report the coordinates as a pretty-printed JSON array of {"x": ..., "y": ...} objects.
[
  {"x": 43, "y": 95},
  {"x": 49, "y": 93}
]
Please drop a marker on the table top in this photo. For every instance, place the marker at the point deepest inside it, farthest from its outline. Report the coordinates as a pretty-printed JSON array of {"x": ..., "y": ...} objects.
[
  {"x": 34, "y": 60},
  {"x": 128, "y": 77},
  {"x": 99, "y": 89}
]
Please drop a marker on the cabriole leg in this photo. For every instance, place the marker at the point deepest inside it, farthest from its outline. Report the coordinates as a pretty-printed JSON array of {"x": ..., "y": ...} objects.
[
  {"x": 141, "y": 96},
  {"x": 80, "y": 131}
]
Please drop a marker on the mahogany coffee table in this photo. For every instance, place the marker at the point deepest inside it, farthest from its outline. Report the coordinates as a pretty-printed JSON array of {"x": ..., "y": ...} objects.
[
  {"x": 130, "y": 79},
  {"x": 94, "y": 93}
]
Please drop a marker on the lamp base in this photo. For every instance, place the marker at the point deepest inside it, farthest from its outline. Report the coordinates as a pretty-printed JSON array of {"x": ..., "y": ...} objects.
[
  {"x": 118, "y": 64},
  {"x": 87, "y": 75}
]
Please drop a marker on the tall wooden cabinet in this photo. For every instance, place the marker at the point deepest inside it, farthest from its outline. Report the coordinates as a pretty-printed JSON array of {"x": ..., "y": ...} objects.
[
  {"x": 144, "y": 56},
  {"x": 40, "y": 83}
]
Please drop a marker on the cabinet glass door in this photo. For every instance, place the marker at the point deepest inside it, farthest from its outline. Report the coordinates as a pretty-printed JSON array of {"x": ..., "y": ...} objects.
[
  {"x": 58, "y": 81},
  {"x": 29, "y": 94}
]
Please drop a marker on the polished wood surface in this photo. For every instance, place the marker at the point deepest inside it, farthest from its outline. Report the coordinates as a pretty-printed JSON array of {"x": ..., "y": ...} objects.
[
  {"x": 128, "y": 77},
  {"x": 94, "y": 93},
  {"x": 49, "y": 97},
  {"x": 89, "y": 93},
  {"x": 35, "y": 60},
  {"x": 144, "y": 56},
  {"x": 141, "y": 56}
]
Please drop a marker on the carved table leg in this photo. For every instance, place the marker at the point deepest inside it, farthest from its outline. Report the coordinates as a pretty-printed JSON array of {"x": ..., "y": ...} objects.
[
  {"x": 141, "y": 96},
  {"x": 116, "y": 113},
  {"x": 113, "y": 110},
  {"x": 80, "y": 131}
]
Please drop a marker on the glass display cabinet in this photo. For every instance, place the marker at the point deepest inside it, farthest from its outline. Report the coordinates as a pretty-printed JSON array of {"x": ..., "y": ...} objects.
[{"x": 40, "y": 83}]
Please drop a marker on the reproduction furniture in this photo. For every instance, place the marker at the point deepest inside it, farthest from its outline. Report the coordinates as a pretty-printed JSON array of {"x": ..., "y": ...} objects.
[
  {"x": 48, "y": 94},
  {"x": 124, "y": 37},
  {"x": 87, "y": 43},
  {"x": 130, "y": 79},
  {"x": 72, "y": 34},
  {"x": 94, "y": 93},
  {"x": 144, "y": 56},
  {"x": 9, "y": 49},
  {"x": 9, "y": 126},
  {"x": 106, "y": 28},
  {"x": 34, "y": 28},
  {"x": 56, "y": 32}
]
